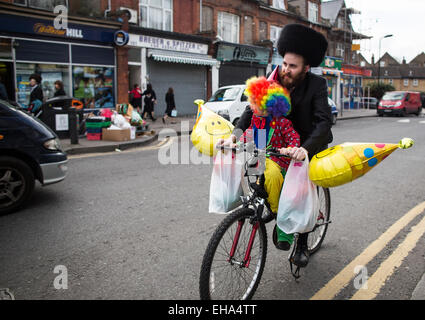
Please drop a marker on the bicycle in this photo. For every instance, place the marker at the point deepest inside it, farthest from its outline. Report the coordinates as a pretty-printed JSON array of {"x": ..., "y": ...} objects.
[{"x": 235, "y": 257}]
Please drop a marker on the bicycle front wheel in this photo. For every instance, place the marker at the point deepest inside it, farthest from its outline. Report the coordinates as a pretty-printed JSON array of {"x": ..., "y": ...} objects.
[
  {"x": 235, "y": 257},
  {"x": 315, "y": 238}
]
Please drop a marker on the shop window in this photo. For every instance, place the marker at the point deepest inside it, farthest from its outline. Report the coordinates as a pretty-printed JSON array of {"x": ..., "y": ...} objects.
[
  {"x": 263, "y": 30},
  {"x": 247, "y": 29},
  {"x": 207, "y": 18},
  {"x": 156, "y": 14},
  {"x": 84, "y": 8},
  {"x": 49, "y": 74},
  {"x": 5, "y": 49},
  {"x": 279, "y": 4},
  {"x": 274, "y": 34},
  {"x": 228, "y": 27},
  {"x": 313, "y": 12},
  {"x": 41, "y": 4},
  {"x": 94, "y": 86}
]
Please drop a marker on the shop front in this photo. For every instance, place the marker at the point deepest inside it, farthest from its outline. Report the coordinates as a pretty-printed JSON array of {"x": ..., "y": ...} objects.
[
  {"x": 180, "y": 64},
  {"x": 353, "y": 85},
  {"x": 240, "y": 62},
  {"x": 82, "y": 57}
]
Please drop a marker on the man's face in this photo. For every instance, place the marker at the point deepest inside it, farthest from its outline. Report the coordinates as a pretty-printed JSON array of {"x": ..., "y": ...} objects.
[
  {"x": 33, "y": 82},
  {"x": 293, "y": 70}
]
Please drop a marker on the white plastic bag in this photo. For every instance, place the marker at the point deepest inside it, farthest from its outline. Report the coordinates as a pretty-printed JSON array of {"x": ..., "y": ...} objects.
[
  {"x": 299, "y": 204},
  {"x": 225, "y": 188}
]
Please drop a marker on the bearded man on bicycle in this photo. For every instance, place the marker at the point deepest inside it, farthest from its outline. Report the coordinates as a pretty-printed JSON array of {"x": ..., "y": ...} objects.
[{"x": 301, "y": 48}]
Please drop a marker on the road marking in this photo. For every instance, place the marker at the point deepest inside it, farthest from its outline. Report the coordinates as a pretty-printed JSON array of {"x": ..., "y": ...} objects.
[
  {"x": 341, "y": 280},
  {"x": 167, "y": 141},
  {"x": 404, "y": 121},
  {"x": 421, "y": 121},
  {"x": 387, "y": 268}
]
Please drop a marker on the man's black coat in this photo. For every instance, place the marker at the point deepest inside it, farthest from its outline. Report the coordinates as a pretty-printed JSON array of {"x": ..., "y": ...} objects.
[{"x": 311, "y": 115}]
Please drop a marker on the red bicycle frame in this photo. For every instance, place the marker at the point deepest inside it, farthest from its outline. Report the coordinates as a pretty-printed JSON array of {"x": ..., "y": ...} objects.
[{"x": 247, "y": 258}]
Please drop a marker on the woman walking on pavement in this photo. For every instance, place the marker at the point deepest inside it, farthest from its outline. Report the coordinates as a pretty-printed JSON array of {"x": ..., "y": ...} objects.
[
  {"x": 136, "y": 99},
  {"x": 171, "y": 105},
  {"x": 150, "y": 100}
]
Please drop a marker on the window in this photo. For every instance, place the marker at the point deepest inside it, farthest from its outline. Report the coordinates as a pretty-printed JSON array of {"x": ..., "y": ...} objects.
[
  {"x": 279, "y": 4},
  {"x": 274, "y": 34},
  {"x": 228, "y": 27},
  {"x": 313, "y": 12},
  {"x": 41, "y": 4},
  {"x": 263, "y": 30},
  {"x": 156, "y": 14},
  {"x": 415, "y": 82},
  {"x": 390, "y": 81},
  {"x": 339, "y": 50},
  {"x": 207, "y": 18},
  {"x": 92, "y": 8},
  {"x": 406, "y": 82},
  {"x": 247, "y": 30},
  {"x": 340, "y": 23}
]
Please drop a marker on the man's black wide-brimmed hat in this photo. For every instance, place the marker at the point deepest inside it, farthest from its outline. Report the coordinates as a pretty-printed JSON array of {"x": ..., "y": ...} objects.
[{"x": 302, "y": 40}]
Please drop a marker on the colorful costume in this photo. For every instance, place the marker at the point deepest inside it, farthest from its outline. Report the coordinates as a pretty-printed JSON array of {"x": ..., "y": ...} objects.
[{"x": 271, "y": 103}]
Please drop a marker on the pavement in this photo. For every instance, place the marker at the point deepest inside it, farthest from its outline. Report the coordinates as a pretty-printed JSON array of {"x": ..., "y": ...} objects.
[{"x": 178, "y": 126}]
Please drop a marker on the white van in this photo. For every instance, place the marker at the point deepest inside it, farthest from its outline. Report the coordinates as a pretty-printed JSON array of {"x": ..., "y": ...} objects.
[{"x": 229, "y": 102}]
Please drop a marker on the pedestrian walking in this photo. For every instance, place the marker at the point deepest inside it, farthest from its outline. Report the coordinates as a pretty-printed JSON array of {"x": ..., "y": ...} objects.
[
  {"x": 136, "y": 98},
  {"x": 59, "y": 89},
  {"x": 171, "y": 105},
  {"x": 36, "y": 95},
  {"x": 149, "y": 100}
]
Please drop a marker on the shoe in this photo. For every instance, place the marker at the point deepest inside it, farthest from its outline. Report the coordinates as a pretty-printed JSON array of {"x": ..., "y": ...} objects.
[
  {"x": 153, "y": 119},
  {"x": 283, "y": 245},
  {"x": 163, "y": 120},
  {"x": 302, "y": 255}
]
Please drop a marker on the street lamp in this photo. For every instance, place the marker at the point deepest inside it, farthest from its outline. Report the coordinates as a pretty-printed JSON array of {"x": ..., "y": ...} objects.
[{"x": 379, "y": 63}]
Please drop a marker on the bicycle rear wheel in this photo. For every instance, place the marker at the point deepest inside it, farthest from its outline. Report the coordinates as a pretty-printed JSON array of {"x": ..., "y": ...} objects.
[
  {"x": 227, "y": 277},
  {"x": 315, "y": 238}
]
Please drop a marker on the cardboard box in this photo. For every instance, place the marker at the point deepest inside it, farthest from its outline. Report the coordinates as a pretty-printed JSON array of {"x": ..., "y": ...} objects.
[{"x": 116, "y": 135}]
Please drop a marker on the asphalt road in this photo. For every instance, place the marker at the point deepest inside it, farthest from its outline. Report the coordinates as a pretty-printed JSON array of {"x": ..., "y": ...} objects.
[{"x": 127, "y": 227}]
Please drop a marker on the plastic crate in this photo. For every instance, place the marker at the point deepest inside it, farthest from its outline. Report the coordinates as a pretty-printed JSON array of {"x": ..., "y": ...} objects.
[{"x": 94, "y": 136}]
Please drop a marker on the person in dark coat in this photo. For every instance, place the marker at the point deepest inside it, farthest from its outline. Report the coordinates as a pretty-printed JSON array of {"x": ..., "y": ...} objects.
[
  {"x": 3, "y": 91},
  {"x": 36, "y": 96},
  {"x": 59, "y": 89},
  {"x": 301, "y": 48},
  {"x": 171, "y": 105},
  {"x": 149, "y": 100}
]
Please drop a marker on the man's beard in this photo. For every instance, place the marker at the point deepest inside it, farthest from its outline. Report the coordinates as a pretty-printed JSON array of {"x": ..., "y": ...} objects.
[{"x": 291, "y": 82}]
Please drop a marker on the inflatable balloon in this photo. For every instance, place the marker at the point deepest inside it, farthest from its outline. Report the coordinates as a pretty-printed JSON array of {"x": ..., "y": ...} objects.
[
  {"x": 208, "y": 129},
  {"x": 348, "y": 161}
]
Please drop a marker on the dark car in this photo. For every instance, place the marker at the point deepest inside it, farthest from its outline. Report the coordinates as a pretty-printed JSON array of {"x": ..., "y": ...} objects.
[
  {"x": 369, "y": 103},
  {"x": 334, "y": 110},
  {"x": 29, "y": 151}
]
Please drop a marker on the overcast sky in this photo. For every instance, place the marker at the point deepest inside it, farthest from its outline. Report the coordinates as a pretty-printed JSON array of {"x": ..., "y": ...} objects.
[{"x": 405, "y": 20}]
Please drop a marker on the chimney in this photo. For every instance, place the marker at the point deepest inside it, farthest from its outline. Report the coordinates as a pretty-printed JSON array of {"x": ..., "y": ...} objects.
[
  {"x": 373, "y": 59},
  {"x": 404, "y": 60}
]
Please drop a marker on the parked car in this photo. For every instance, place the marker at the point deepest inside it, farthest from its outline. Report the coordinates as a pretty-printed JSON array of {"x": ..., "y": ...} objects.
[
  {"x": 29, "y": 151},
  {"x": 369, "y": 102},
  {"x": 229, "y": 102},
  {"x": 334, "y": 110},
  {"x": 400, "y": 103}
]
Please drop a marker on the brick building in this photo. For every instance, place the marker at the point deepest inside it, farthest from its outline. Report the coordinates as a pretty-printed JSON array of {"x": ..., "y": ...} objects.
[{"x": 194, "y": 46}]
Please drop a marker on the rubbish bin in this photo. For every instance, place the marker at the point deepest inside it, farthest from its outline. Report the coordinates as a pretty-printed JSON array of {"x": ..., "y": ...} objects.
[{"x": 56, "y": 112}]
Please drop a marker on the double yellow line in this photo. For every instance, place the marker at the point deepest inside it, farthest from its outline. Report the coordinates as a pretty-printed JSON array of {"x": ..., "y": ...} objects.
[{"x": 386, "y": 269}]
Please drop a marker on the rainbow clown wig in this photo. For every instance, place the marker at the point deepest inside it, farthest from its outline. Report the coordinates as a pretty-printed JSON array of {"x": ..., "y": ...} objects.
[{"x": 268, "y": 98}]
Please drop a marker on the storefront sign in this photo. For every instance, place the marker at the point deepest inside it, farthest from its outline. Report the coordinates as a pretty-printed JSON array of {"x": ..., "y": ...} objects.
[
  {"x": 167, "y": 44},
  {"x": 332, "y": 63},
  {"x": 26, "y": 25},
  {"x": 228, "y": 52},
  {"x": 121, "y": 38}
]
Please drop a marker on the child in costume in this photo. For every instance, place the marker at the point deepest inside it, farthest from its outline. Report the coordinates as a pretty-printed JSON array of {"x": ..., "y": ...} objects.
[{"x": 271, "y": 103}]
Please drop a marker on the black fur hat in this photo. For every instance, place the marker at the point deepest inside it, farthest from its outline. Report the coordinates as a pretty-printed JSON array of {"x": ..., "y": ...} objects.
[
  {"x": 36, "y": 77},
  {"x": 302, "y": 40}
]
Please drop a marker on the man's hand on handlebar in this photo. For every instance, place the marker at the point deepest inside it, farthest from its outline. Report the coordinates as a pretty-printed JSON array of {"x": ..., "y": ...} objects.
[
  {"x": 229, "y": 142},
  {"x": 298, "y": 154}
]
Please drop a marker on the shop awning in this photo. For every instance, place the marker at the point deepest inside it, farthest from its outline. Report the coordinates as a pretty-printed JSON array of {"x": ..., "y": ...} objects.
[{"x": 181, "y": 57}]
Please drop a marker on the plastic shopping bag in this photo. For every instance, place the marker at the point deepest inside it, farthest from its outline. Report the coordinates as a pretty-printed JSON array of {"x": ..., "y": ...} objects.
[
  {"x": 174, "y": 113},
  {"x": 299, "y": 204},
  {"x": 226, "y": 188}
]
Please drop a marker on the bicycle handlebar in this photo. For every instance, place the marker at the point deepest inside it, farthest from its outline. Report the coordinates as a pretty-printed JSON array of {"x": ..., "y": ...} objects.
[{"x": 270, "y": 152}]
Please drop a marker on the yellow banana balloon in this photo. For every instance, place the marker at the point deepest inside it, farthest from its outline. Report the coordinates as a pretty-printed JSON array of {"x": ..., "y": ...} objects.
[
  {"x": 208, "y": 129},
  {"x": 348, "y": 161}
]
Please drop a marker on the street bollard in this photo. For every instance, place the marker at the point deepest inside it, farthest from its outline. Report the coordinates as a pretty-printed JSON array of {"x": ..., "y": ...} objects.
[{"x": 73, "y": 130}]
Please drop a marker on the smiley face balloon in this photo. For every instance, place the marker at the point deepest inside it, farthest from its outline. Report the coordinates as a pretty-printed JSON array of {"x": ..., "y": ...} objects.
[
  {"x": 346, "y": 162},
  {"x": 208, "y": 129}
]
